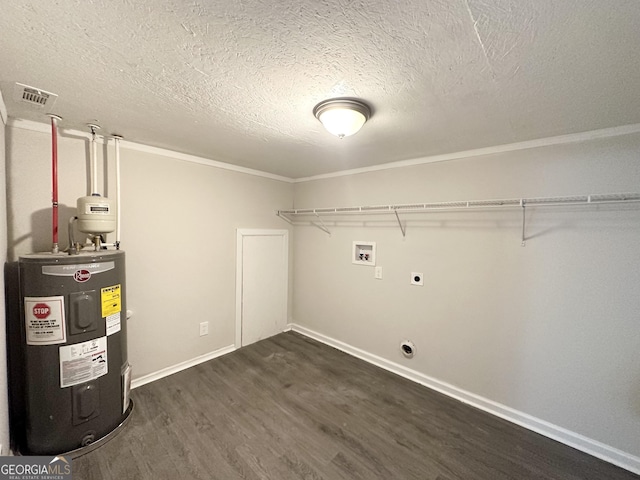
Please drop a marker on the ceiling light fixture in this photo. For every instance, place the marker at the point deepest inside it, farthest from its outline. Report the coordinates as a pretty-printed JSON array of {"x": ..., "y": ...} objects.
[{"x": 342, "y": 116}]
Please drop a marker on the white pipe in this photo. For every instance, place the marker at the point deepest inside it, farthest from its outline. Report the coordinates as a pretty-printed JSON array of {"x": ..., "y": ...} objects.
[
  {"x": 117, "y": 139},
  {"x": 93, "y": 164}
]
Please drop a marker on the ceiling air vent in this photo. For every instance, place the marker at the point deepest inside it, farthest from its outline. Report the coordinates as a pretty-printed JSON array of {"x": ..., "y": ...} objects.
[{"x": 33, "y": 96}]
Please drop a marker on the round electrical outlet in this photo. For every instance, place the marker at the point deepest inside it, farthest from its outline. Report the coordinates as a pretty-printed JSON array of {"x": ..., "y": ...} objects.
[{"x": 408, "y": 349}]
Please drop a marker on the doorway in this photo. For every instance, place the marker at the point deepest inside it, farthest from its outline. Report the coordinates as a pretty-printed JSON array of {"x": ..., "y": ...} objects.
[{"x": 261, "y": 284}]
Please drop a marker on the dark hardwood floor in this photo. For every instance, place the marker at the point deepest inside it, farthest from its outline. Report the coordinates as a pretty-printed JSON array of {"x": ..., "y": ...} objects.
[{"x": 291, "y": 408}]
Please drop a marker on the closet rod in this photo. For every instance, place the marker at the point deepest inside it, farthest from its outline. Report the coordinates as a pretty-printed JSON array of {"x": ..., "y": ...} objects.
[
  {"x": 462, "y": 205},
  {"x": 521, "y": 203}
]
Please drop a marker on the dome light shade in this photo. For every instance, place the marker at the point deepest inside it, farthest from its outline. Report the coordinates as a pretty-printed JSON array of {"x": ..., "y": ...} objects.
[{"x": 342, "y": 117}]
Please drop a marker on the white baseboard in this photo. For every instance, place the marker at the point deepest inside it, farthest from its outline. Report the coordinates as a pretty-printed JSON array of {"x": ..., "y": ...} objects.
[
  {"x": 562, "y": 435},
  {"x": 165, "y": 372}
]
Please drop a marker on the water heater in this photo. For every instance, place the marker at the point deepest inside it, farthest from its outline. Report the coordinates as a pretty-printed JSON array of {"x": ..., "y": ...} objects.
[{"x": 70, "y": 376}]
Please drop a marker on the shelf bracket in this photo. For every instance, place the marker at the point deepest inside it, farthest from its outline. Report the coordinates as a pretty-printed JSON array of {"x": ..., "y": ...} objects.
[
  {"x": 402, "y": 228},
  {"x": 321, "y": 226},
  {"x": 524, "y": 219},
  {"x": 284, "y": 217}
]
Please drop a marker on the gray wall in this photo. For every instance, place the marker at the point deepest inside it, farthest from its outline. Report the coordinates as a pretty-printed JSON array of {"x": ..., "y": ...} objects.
[
  {"x": 550, "y": 329},
  {"x": 4, "y": 408},
  {"x": 178, "y": 231}
]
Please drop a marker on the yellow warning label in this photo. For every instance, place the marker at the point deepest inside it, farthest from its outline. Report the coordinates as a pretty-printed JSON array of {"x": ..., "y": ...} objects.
[{"x": 110, "y": 298}]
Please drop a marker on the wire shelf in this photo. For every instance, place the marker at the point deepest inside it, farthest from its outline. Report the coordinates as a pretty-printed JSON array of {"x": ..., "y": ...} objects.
[
  {"x": 509, "y": 202},
  {"x": 294, "y": 216}
]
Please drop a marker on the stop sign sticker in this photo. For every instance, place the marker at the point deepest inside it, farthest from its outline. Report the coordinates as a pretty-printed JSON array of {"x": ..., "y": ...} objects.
[
  {"x": 44, "y": 320},
  {"x": 41, "y": 310}
]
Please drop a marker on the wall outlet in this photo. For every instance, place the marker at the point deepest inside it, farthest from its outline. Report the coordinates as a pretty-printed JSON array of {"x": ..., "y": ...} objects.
[
  {"x": 417, "y": 278},
  {"x": 204, "y": 328},
  {"x": 378, "y": 273}
]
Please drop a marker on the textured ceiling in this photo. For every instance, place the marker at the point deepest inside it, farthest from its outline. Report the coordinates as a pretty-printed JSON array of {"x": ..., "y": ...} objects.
[{"x": 236, "y": 80}]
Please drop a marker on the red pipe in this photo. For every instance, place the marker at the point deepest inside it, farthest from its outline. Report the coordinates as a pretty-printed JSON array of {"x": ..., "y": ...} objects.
[{"x": 54, "y": 174}]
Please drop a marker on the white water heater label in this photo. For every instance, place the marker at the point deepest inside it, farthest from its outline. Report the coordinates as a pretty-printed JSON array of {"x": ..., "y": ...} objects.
[
  {"x": 82, "y": 362},
  {"x": 96, "y": 208},
  {"x": 44, "y": 320},
  {"x": 113, "y": 324}
]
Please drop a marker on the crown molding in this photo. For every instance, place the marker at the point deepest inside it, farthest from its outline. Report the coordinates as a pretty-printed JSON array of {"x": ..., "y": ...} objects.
[
  {"x": 139, "y": 147},
  {"x": 510, "y": 147}
]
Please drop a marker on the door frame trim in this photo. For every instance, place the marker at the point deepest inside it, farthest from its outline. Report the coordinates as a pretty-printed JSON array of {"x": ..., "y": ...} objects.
[{"x": 252, "y": 232}]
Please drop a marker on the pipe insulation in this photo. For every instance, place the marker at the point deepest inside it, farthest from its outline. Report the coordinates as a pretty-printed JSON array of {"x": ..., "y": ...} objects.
[{"x": 54, "y": 181}]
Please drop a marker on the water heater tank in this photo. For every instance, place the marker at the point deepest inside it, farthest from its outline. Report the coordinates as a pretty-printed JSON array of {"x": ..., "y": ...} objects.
[
  {"x": 95, "y": 215},
  {"x": 67, "y": 340}
]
